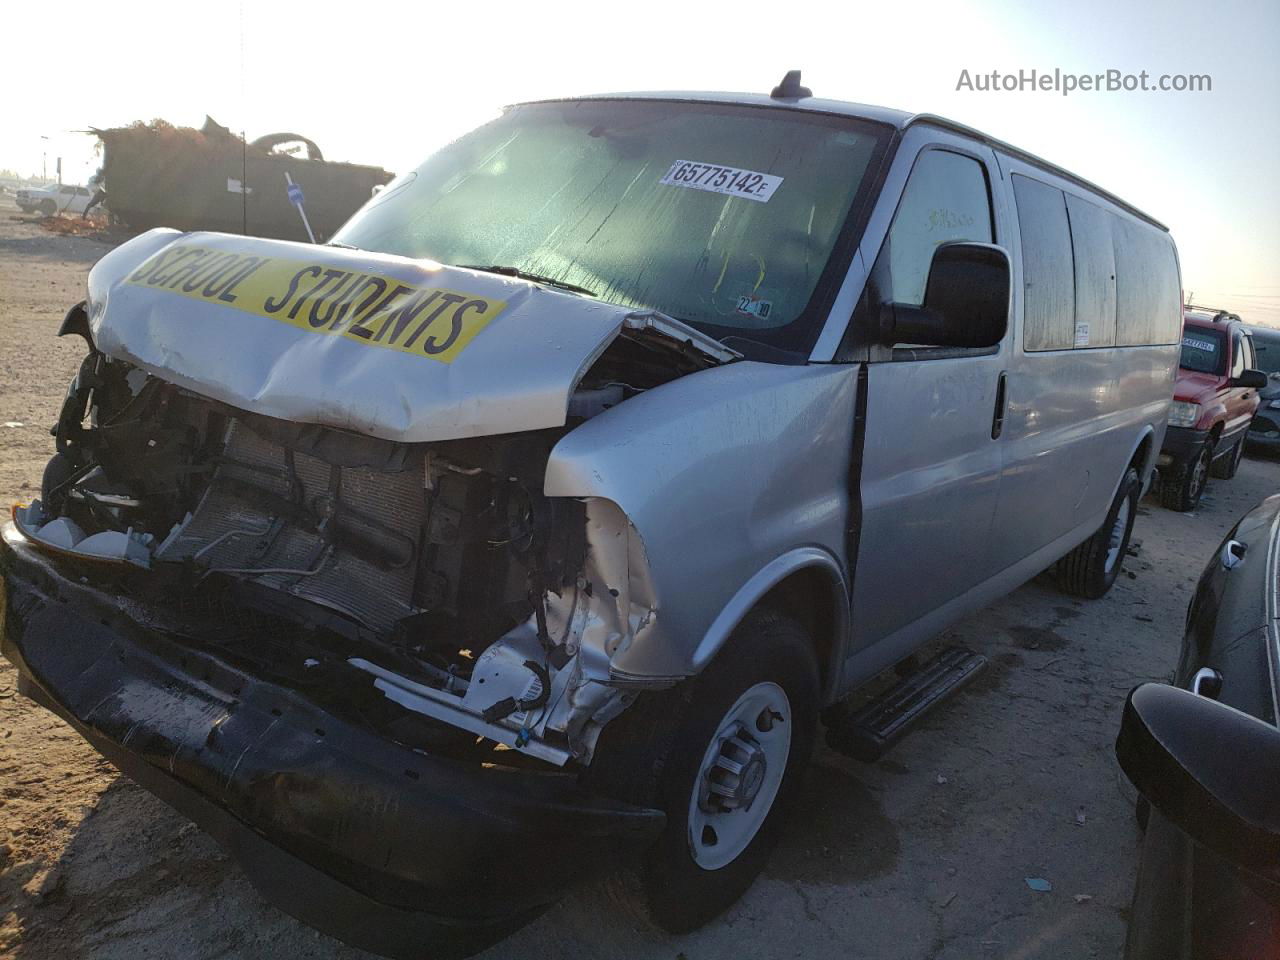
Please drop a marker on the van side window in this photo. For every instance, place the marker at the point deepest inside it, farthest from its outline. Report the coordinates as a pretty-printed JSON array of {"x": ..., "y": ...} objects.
[
  {"x": 1095, "y": 273},
  {"x": 1048, "y": 271},
  {"x": 1092, "y": 278},
  {"x": 1148, "y": 297},
  {"x": 946, "y": 198}
]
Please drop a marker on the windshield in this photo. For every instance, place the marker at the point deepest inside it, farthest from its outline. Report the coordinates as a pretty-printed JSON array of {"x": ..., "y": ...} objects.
[
  {"x": 727, "y": 217},
  {"x": 1202, "y": 350}
]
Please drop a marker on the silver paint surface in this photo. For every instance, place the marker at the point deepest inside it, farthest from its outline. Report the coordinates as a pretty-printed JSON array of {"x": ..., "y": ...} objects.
[{"x": 720, "y": 473}]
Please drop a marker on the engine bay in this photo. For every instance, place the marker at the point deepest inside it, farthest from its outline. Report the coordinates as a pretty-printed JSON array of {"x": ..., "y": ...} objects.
[{"x": 429, "y": 589}]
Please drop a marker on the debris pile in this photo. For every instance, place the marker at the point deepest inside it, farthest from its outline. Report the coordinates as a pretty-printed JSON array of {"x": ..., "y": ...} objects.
[{"x": 95, "y": 226}]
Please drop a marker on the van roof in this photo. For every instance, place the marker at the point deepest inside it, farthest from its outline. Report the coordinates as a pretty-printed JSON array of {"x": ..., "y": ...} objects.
[{"x": 900, "y": 120}]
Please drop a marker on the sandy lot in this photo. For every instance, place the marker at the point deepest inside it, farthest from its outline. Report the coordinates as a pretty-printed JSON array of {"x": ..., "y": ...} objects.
[{"x": 923, "y": 856}]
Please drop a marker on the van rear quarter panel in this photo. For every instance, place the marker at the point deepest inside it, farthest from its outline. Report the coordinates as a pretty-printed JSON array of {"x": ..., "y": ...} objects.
[{"x": 1073, "y": 421}]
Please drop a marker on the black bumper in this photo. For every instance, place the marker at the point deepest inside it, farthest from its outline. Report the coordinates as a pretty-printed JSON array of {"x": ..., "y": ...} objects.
[
  {"x": 1263, "y": 424},
  {"x": 1181, "y": 444},
  {"x": 382, "y": 846}
]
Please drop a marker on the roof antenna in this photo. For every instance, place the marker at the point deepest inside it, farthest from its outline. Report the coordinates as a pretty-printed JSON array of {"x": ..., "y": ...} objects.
[{"x": 789, "y": 88}]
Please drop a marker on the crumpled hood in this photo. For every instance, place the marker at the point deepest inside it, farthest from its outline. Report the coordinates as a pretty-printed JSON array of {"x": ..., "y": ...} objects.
[{"x": 406, "y": 350}]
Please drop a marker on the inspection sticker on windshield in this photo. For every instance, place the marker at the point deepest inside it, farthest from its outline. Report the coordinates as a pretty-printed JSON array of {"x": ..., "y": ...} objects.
[
  {"x": 730, "y": 181},
  {"x": 1208, "y": 346},
  {"x": 753, "y": 306}
]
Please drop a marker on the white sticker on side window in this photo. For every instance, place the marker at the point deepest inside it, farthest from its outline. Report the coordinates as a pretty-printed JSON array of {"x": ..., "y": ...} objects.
[
  {"x": 719, "y": 179},
  {"x": 1082, "y": 333},
  {"x": 1208, "y": 346}
]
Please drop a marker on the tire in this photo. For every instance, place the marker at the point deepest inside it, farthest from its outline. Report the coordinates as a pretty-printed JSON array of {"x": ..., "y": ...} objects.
[
  {"x": 1185, "y": 484},
  {"x": 1225, "y": 468},
  {"x": 1090, "y": 569},
  {"x": 660, "y": 751},
  {"x": 48, "y": 208}
]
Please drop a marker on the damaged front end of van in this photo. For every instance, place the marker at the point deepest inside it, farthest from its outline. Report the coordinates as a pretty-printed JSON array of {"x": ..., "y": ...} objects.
[{"x": 301, "y": 578}]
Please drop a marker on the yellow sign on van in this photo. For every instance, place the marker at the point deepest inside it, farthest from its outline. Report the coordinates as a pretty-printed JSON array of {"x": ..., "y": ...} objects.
[{"x": 365, "y": 307}]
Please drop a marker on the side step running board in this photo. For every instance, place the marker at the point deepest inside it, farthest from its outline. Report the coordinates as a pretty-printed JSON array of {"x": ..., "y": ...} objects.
[{"x": 867, "y": 734}]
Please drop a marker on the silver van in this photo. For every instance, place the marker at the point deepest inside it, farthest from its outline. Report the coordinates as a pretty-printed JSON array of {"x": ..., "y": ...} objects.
[{"x": 528, "y": 527}]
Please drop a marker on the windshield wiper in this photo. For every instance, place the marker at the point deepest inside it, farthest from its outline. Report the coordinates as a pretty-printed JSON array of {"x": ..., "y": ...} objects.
[{"x": 535, "y": 277}]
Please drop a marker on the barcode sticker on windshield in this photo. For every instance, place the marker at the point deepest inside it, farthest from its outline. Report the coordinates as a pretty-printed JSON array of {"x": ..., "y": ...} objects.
[
  {"x": 727, "y": 180},
  {"x": 1208, "y": 346}
]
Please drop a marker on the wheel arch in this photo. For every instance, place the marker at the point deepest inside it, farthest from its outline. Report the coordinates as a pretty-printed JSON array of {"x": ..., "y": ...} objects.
[
  {"x": 806, "y": 583},
  {"x": 1142, "y": 458}
]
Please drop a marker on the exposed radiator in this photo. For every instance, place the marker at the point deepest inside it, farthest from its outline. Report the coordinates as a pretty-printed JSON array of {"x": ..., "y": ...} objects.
[{"x": 342, "y": 537}]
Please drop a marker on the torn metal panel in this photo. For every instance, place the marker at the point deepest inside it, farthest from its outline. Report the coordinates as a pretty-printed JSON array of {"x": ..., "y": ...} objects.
[
  {"x": 406, "y": 350},
  {"x": 654, "y": 324},
  {"x": 705, "y": 435}
]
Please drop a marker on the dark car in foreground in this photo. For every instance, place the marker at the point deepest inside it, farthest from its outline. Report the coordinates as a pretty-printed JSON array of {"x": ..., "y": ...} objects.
[
  {"x": 1264, "y": 430},
  {"x": 1204, "y": 754}
]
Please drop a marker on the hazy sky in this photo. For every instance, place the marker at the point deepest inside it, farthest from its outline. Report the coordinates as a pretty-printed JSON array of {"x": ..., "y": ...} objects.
[{"x": 387, "y": 82}]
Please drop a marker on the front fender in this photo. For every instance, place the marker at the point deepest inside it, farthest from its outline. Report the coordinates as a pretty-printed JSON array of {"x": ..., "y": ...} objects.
[
  {"x": 1213, "y": 414},
  {"x": 721, "y": 474}
]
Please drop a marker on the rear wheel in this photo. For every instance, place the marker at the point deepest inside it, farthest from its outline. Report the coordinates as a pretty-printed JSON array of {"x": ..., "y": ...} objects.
[
  {"x": 1091, "y": 568},
  {"x": 1182, "y": 489},
  {"x": 723, "y": 756},
  {"x": 1225, "y": 468}
]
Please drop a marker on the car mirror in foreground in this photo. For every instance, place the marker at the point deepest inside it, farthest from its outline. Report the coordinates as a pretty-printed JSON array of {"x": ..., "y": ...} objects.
[
  {"x": 1250, "y": 378},
  {"x": 1209, "y": 769},
  {"x": 966, "y": 301}
]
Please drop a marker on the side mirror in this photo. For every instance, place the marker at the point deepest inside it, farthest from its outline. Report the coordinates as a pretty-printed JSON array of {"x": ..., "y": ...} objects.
[
  {"x": 966, "y": 300},
  {"x": 1250, "y": 378},
  {"x": 1209, "y": 769}
]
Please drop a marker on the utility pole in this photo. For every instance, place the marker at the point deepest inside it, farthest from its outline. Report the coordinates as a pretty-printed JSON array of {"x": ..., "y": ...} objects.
[{"x": 44, "y": 159}]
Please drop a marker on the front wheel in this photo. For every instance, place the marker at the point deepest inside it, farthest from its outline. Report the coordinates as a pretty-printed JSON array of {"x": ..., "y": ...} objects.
[
  {"x": 723, "y": 756},
  {"x": 1228, "y": 466},
  {"x": 1091, "y": 569},
  {"x": 48, "y": 208},
  {"x": 1185, "y": 484}
]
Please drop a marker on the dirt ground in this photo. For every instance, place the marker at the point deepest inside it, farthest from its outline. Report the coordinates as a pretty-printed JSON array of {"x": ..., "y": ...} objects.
[{"x": 924, "y": 856}]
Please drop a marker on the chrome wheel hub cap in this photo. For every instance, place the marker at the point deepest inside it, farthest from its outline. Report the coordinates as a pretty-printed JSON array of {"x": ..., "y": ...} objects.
[
  {"x": 1201, "y": 471},
  {"x": 1117, "y": 535},
  {"x": 735, "y": 776},
  {"x": 739, "y": 777}
]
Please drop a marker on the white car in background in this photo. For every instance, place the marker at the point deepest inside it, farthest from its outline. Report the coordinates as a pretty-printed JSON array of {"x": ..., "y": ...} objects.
[{"x": 54, "y": 198}]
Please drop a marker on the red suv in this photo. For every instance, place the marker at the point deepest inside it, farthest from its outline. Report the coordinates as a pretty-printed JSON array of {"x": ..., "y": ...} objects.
[{"x": 1214, "y": 400}]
